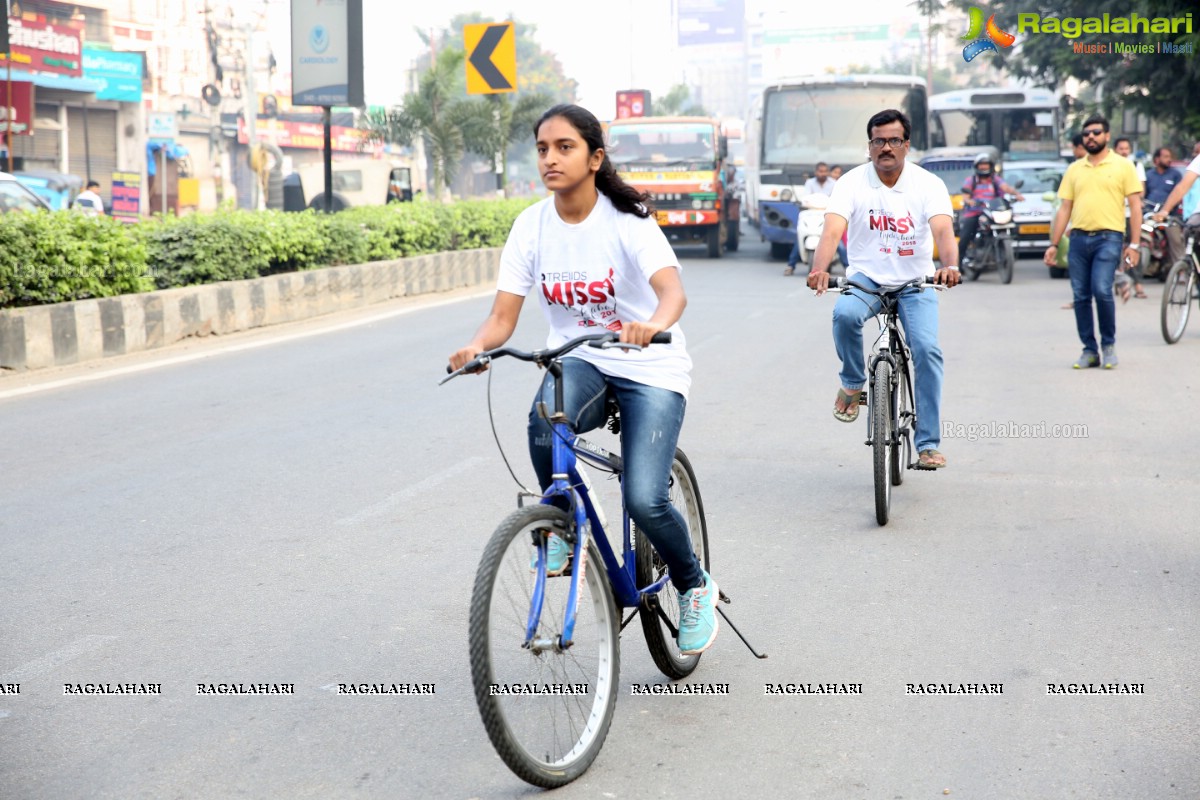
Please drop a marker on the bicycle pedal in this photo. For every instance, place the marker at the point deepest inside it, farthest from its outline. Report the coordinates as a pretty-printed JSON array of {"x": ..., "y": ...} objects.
[
  {"x": 862, "y": 398},
  {"x": 724, "y": 598}
]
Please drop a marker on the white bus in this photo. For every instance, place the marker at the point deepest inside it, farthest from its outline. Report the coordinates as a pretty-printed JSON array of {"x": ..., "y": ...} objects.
[
  {"x": 801, "y": 121},
  {"x": 1020, "y": 123}
]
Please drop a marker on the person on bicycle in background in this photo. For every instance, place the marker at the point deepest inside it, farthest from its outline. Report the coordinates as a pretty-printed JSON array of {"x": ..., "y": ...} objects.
[
  {"x": 978, "y": 189},
  {"x": 597, "y": 260},
  {"x": 1190, "y": 174},
  {"x": 893, "y": 211}
]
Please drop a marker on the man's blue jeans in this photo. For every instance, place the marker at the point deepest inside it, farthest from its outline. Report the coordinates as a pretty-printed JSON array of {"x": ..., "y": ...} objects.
[
  {"x": 1092, "y": 264},
  {"x": 919, "y": 317},
  {"x": 650, "y": 421}
]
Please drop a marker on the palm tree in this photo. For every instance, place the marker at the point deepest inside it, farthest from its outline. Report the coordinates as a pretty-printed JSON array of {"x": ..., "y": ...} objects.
[{"x": 436, "y": 112}]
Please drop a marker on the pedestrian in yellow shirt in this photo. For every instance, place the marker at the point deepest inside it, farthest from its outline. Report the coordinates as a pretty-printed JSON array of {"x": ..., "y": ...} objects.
[{"x": 1094, "y": 191}]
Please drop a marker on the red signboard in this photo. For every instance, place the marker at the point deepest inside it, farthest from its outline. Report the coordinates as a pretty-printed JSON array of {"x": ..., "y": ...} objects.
[
  {"x": 19, "y": 106},
  {"x": 43, "y": 47},
  {"x": 633, "y": 103},
  {"x": 308, "y": 136}
]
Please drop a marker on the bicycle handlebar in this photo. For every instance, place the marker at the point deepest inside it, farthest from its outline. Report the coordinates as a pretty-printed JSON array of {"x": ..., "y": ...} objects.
[
  {"x": 603, "y": 340},
  {"x": 843, "y": 284}
]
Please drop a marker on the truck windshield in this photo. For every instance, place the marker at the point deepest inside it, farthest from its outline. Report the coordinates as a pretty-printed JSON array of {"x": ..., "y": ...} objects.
[
  {"x": 665, "y": 145},
  {"x": 807, "y": 124}
]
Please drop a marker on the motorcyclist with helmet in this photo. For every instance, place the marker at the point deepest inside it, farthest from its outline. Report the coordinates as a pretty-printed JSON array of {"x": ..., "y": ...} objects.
[{"x": 978, "y": 189}]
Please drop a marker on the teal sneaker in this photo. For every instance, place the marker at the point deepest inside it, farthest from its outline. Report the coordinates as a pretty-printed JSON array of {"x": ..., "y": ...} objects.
[
  {"x": 558, "y": 553},
  {"x": 698, "y": 617}
]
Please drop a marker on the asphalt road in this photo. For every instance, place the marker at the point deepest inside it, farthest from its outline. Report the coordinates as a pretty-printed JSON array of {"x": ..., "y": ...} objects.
[{"x": 306, "y": 507}]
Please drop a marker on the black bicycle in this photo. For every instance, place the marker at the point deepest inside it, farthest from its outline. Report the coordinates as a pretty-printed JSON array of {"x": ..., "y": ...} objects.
[{"x": 891, "y": 405}]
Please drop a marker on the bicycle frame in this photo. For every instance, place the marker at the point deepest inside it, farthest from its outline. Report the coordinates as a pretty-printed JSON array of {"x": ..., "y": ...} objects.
[
  {"x": 891, "y": 347},
  {"x": 567, "y": 482}
]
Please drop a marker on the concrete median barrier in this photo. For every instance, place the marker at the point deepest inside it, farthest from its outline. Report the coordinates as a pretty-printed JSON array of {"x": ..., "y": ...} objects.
[{"x": 70, "y": 333}]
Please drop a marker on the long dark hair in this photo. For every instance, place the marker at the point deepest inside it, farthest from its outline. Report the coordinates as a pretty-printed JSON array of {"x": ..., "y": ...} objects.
[{"x": 624, "y": 197}]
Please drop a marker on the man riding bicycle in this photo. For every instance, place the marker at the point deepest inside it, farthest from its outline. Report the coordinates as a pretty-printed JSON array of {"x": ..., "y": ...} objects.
[{"x": 889, "y": 208}]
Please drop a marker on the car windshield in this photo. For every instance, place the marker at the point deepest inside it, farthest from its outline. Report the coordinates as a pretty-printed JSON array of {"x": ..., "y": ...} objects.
[
  {"x": 1035, "y": 180},
  {"x": 952, "y": 173},
  {"x": 15, "y": 197}
]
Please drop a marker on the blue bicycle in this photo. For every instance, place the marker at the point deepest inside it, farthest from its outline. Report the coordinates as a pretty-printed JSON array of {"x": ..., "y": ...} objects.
[{"x": 545, "y": 652}]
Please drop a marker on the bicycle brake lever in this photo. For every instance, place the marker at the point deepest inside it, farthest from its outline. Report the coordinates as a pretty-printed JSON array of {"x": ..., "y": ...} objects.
[
  {"x": 619, "y": 345},
  {"x": 474, "y": 365}
]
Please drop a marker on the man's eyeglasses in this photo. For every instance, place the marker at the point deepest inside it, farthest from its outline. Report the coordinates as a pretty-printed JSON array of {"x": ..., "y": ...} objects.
[
  {"x": 893, "y": 142},
  {"x": 1092, "y": 132}
]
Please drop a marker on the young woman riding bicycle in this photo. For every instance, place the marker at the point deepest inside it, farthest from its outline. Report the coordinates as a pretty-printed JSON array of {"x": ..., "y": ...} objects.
[{"x": 597, "y": 260}]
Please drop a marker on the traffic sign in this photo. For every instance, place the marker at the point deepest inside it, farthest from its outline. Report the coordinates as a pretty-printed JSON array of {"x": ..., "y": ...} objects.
[
  {"x": 491, "y": 57},
  {"x": 161, "y": 125}
]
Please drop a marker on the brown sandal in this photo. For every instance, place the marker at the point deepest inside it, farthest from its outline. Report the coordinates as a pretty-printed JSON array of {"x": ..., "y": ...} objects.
[
  {"x": 851, "y": 402},
  {"x": 931, "y": 459}
]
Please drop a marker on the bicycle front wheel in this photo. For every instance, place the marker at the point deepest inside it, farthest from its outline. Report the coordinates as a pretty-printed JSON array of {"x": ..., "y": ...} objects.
[
  {"x": 649, "y": 567},
  {"x": 546, "y": 709},
  {"x": 1177, "y": 299},
  {"x": 881, "y": 434}
]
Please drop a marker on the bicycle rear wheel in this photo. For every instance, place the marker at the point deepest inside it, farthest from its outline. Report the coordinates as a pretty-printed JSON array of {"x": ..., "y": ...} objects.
[
  {"x": 881, "y": 430},
  {"x": 1177, "y": 299},
  {"x": 546, "y": 711},
  {"x": 649, "y": 567},
  {"x": 902, "y": 402}
]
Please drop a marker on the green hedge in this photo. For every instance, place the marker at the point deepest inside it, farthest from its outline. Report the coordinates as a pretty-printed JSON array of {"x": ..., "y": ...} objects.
[{"x": 61, "y": 256}]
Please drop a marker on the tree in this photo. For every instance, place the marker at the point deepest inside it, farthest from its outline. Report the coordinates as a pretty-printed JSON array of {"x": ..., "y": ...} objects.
[
  {"x": 436, "y": 112},
  {"x": 678, "y": 103},
  {"x": 454, "y": 123},
  {"x": 1162, "y": 86}
]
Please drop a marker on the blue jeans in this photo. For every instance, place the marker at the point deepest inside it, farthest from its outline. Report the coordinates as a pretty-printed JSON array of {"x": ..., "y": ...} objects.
[
  {"x": 1092, "y": 264},
  {"x": 919, "y": 318},
  {"x": 650, "y": 421}
]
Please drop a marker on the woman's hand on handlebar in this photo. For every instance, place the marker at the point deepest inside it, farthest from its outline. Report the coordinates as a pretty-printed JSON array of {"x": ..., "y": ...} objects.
[
  {"x": 639, "y": 333},
  {"x": 464, "y": 355}
]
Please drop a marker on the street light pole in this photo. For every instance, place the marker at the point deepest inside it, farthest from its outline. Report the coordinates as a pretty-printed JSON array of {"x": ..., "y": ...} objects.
[{"x": 250, "y": 110}]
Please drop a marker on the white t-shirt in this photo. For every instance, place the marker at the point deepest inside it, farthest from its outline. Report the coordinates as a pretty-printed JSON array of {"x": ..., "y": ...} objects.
[
  {"x": 596, "y": 274},
  {"x": 888, "y": 237},
  {"x": 1194, "y": 166},
  {"x": 813, "y": 186}
]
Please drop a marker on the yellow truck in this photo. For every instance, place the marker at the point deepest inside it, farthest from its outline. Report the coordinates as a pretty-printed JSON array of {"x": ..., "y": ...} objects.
[{"x": 683, "y": 163}]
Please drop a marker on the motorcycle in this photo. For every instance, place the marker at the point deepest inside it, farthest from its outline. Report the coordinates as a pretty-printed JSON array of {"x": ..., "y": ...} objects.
[
  {"x": 1153, "y": 250},
  {"x": 993, "y": 246}
]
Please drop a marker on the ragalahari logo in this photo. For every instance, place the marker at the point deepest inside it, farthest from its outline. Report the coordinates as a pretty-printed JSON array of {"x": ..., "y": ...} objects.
[{"x": 982, "y": 38}]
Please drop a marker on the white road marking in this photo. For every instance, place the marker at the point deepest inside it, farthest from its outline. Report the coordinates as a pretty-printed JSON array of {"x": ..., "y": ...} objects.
[
  {"x": 54, "y": 660},
  {"x": 233, "y": 348},
  {"x": 398, "y": 499}
]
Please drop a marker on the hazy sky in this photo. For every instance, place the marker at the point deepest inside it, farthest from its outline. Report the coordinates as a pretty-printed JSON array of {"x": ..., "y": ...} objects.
[{"x": 606, "y": 46}]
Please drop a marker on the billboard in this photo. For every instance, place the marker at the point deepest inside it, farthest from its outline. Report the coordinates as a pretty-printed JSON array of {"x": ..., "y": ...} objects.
[
  {"x": 19, "y": 104},
  {"x": 633, "y": 103},
  {"x": 44, "y": 47},
  {"x": 327, "y": 55},
  {"x": 119, "y": 74},
  {"x": 711, "y": 21}
]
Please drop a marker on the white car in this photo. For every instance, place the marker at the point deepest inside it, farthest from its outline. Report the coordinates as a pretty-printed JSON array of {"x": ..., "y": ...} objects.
[
  {"x": 15, "y": 196},
  {"x": 1038, "y": 182}
]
